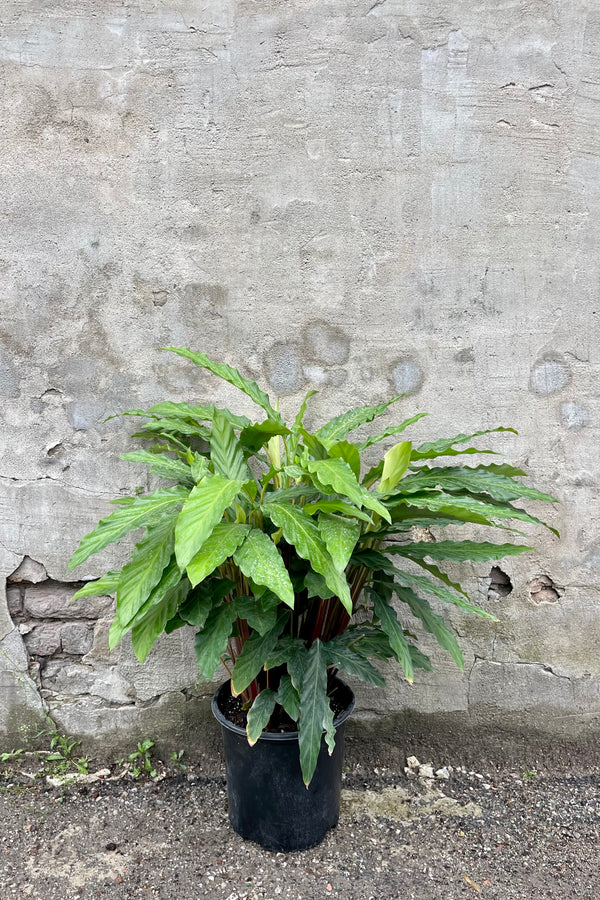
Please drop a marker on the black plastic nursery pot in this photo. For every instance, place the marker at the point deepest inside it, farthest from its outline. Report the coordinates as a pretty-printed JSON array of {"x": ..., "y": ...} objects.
[{"x": 268, "y": 800}]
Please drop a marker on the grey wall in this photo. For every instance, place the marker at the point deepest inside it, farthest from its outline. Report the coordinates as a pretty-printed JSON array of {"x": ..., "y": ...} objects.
[{"x": 365, "y": 197}]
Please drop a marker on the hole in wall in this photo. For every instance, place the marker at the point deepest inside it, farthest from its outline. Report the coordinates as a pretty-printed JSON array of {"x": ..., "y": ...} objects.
[
  {"x": 500, "y": 584},
  {"x": 543, "y": 590}
]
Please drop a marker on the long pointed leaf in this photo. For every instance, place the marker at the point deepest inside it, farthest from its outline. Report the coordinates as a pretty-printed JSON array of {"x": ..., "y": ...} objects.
[
  {"x": 105, "y": 585},
  {"x": 432, "y": 623},
  {"x": 335, "y": 474},
  {"x": 170, "y": 579},
  {"x": 135, "y": 512},
  {"x": 393, "y": 429},
  {"x": 344, "y": 657},
  {"x": 259, "y": 714},
  {"x": 340, "y": 536},
  {"x": 313, "y": 702},
  {"x": 476, "y": 551},
  {"x": 337, "y": 429},
  {"x": 302, "y": 531},
  {"x": 222, "y": 543},
  {"x": 145, "y": 568},
  {"x": 457, "y": 504},
  {"x": 478, "y": 480},
  {"x": 260, "y": 560},
  {"x": 337, "y": 506},
  {"x": 202, "y": 510},
  {"x": 163, "y": 466},
  {"x": 445, "y": 446},
  {"x": 228, "y": 373},
  {"x": 255, "y": 652},
  {"x": 288, "y": 697},
  {"x": 211, "y": 642},
  {"x": 145, "y": 634},
  {"x": 226, "y": 452},
  {"x": 386, "y": 614}
]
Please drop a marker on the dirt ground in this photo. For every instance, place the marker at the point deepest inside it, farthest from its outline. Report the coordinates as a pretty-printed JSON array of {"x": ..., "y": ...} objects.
[{"x": 514, "y": 834}]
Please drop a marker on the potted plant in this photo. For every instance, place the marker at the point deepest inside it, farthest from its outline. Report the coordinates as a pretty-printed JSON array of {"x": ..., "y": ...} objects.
[{"x": 286, "y": 554}]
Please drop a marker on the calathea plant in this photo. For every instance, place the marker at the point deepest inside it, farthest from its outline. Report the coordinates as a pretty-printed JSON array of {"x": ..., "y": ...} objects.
[{"x": 286, "y": 554}]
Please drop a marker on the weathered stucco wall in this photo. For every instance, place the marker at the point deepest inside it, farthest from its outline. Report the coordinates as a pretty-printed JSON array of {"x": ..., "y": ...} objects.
[{"x": 363, "y": 196}]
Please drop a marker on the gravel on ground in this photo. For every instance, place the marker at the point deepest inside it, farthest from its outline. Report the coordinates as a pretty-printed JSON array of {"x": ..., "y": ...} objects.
[{"x": 507, "y": 835}]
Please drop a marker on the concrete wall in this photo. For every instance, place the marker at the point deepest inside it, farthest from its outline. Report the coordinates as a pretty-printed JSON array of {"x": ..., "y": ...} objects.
[{"x": 362, "y": 196}]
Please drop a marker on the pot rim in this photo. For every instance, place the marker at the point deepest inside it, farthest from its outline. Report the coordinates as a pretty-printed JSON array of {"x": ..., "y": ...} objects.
[{"x": 273, "y": 735}]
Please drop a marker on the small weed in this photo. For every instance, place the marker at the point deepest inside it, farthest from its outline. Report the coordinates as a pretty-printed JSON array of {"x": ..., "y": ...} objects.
[
  {"x": 528, "y": 774},
  {"x": 13, "y": 754},
  {"x": 176, "y": 761},
  {"x": 140, "y": 761}
]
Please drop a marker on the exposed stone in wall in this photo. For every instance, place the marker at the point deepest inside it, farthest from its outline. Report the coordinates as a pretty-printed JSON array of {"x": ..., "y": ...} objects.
[
  {"x": 66, "y": 640},
  {"x": 543, "y": 590}
]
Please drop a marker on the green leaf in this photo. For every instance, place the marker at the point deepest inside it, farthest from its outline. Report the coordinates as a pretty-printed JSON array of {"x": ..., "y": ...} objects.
[
  {"x": 393, "y": 429},
  {"x": 420, "y": 660},
  {"x": 161, "y": 465},
  {"x": 260, "y": 560},
  {"x": 254, "y": 653},
  {"x": 199, "y": 467},
  {"x": 222, "y": 543},
  {"x": 176, "y": 426},
  {"x": 313, "y": 703},
  {"x": 255, "y": 436},
  {"x": 288, "y": 697},
  {"x": 146, "y": 633},
  {"x": 202, "y": 510},
  {"x": 197, "y": 608},
  {"x": 226, "y": 452},
  {"x": 445, "y": 446},
  {"x": 476, "y": 551},
  {"x": 337, "y": 429},
  {"x": 335, "y": 474},
  {"x": 349, "y": 453},
  {"x": 105, "y": 585},
  {"x": 344, "y": 657},
  {"x": 340, "y": 536},
  {"x": 302, "y": 531},
  {"x": 300, "y": 415},
  {"x": 459, "y": 505},
  {"x": 316, "y": 586},
  {"x": 386, "y": 614},
  {"x": 422, "y": 583},
  {"x": 231, "y": 375},
  {"x": 145, "y": 568},
  {"x": 259, "y": 714},
  {"x": 405, "y": 517},
  {"x": 169, "y": 409},
  {"x": 478, "y": 480},
  {"x": 211, "y": 642},
  {"x": 395, "y": 464},
  {"x": 335, "y": 506},
  {"x": 133, "y": 513},
  {"x": 367, "y": 640},
  {"x": 287, "y": 648},
  {"x": 201, "y": 413},
  {"x": 282, "y": 495},
  {"x": 259, "y": 612},
  {"x": 441, "y": 576},
  {"x": 170, "y": 579},
  {"x": 432, "y": 623},
  {"x": 329, "y": 727}
]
